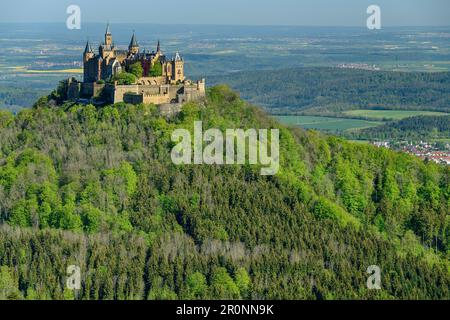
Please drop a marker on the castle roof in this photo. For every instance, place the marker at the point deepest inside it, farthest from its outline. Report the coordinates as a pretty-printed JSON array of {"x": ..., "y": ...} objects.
[
  {"x": 133, "y": 42},
  {"x": 108, "y": 29},
  {"x": 88, "y": 48},
  {"x": 178, "y": 57}
]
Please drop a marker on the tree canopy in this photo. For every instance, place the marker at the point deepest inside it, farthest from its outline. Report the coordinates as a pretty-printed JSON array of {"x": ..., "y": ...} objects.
[
  {"x": 124, "y": 78},
  {"x": 96, "y": 187},
  {"x": 156, "y": 70},
  {"x": 136, "y": 69}
]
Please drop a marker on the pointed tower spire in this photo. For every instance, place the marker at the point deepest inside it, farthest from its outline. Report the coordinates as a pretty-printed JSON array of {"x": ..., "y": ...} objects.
[
  {"x": 88, "y": 53},
  {"x": 134, "y": 46},
  {"x": 108, "y": 36},
  {"x": 133, "y": 42},
  {"x": 88, "y": 48},
  {"x": 158, "y": 47}
]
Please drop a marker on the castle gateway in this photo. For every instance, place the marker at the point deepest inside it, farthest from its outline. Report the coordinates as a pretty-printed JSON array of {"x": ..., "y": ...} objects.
[{"x": 132, "y": 76}]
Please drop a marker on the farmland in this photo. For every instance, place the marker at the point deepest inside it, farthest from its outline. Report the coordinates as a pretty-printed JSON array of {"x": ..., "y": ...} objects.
[
  {"x": 389, "y": 115},
  {"x": 327, "y": 123}
]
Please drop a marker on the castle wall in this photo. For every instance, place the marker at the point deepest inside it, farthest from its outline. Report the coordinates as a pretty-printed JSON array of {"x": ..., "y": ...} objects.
[
  {"x": 193, "y": 91},
  {"x": 153, "y": 81},
  {"x": 120, "y": 90},
  {"x": 133, "y": 98},
  {"x": 156, "y": 99},
  {"x": 165, "y": 94},
  {"x": 135, "y": 94},
  {"x": 157, "y": 94},
  {"x": 73, "y": 90},
  {"x": 89, "y": 90}
]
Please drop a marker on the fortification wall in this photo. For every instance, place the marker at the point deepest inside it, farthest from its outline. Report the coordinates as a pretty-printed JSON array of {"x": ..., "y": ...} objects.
[
  {"x": 120, "y": 90},
  {"x": 156, "y": 94},
  {"x": 156, "y": 98},
  {"x": 133, "y": 98},
  {"x": 193, "y": 92},
  {"x": 152, "y": 81},
  {"x": 73, "y": 90},
  {"x": 89, "y": 90}
]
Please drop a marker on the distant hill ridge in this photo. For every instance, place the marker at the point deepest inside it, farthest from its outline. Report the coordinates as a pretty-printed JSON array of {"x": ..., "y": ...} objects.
[
  {"x": 414, "y": 128},
  {"x": 329, "y": 91}
]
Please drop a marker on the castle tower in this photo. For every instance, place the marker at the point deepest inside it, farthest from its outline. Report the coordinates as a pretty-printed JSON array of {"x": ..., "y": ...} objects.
[
  {"x": 88, "y": 56},
  {"x": 108, "y": 37},
  {"x": 134, "y": 46},
  {"x": 158, "y": 47},
  {"x": 107, "y": 48},
  {"x": 178, "y": 67}
]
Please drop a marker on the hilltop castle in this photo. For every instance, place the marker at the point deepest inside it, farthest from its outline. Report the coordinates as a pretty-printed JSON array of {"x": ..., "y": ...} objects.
[{"x": 132, "y": 76}]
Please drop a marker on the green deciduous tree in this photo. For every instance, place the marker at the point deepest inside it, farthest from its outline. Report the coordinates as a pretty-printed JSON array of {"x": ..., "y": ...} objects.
[
  {"x": 223, "y": 286},
  {"x": 124, "y": 78},
  {"x": 136, "y": 69},
  {"x": 156, "y": 70}
]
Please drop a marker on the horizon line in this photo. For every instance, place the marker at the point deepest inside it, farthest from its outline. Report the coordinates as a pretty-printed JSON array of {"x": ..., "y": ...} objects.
[{"x": 230, "y": 25}]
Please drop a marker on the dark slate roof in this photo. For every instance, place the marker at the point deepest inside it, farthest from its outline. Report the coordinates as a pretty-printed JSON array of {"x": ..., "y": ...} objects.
[
  {"x": 88, "y": 48},
  {"x": 133, "y": 42}
]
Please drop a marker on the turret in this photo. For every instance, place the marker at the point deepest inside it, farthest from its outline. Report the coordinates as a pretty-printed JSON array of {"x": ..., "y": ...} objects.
[
  {"x": 178, "y": 67},
  {"x": 108, "y": 37}
]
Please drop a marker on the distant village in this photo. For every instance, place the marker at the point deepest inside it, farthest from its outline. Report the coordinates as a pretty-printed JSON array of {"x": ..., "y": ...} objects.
[
  {"x": 424, "y": 150},
  {"x": 359, "y": 66}
]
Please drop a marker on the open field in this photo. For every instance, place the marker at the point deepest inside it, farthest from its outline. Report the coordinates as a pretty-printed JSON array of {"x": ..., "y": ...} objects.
[
  {"x": 24, "y": 69},
  {"x": 77, "y": 71},
  {"x": 390, "y": 114},
  {"x": 327, "y": 123}
]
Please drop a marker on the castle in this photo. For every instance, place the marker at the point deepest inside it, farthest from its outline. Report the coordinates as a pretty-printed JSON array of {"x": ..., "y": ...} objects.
[{"x": 132, "y": 76}]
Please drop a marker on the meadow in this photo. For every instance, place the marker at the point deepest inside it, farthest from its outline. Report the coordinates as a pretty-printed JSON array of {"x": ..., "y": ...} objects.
[
  {"x": 327, "y": 123},
  {"x": 386, "y": 115}
]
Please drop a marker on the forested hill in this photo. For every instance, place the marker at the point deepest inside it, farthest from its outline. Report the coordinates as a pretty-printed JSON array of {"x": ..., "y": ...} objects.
[
  {"x": 328, "y": 91},
  {"x": 97, "y": 188},
  {"x": 414, "y": 128}
]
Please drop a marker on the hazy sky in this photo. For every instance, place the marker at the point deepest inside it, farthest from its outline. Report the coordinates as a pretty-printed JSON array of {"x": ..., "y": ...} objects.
[{"x": 232, "y": 12}]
